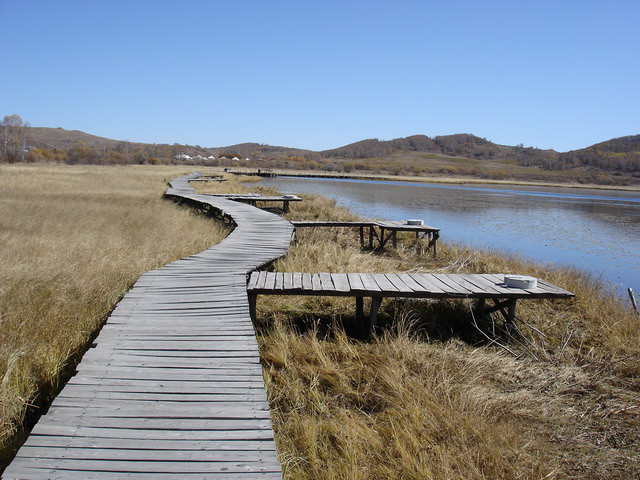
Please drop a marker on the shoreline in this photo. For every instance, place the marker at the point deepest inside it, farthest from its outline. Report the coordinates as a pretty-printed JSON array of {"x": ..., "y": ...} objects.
[{"x": 442, "y": 180}]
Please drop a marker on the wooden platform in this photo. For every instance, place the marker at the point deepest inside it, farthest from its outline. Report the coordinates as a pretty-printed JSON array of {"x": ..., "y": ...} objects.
[
  {"x": 386, "y": 230},
  {"x": 253, "y": 199},
  {"x": 173, "y": 387},
  {"x": 411, "y": 285}
]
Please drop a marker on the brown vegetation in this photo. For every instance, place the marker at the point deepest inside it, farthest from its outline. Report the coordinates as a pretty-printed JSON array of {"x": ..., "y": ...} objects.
[{"x": 614, "y": 162}]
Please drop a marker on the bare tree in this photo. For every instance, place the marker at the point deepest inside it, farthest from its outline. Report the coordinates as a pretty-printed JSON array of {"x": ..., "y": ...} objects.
[{"x": 14, "y": 134}]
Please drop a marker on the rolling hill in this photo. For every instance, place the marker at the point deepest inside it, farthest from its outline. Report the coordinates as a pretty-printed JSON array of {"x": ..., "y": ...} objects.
[{"x": 618, "y": 154}]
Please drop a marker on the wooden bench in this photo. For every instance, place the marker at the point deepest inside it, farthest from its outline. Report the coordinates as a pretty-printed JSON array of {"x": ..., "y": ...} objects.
[
  {"x": 411, "y": 285},
  {"x": 387, "y": 231},
  {"x": 253, "y": 199}
]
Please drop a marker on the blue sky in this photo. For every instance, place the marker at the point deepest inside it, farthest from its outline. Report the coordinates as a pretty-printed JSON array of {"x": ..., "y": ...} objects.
[{"x": 556, "y": 74}]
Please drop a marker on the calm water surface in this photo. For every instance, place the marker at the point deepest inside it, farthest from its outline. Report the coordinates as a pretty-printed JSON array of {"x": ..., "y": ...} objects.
[{"x": 594, "y": 230}]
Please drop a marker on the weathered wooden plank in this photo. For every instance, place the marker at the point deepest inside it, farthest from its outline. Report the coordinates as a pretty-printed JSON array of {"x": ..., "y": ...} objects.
[
  {"x": 369, "y": 283},
  {"x": 315, "y": 282},
  {"x": 180, "y": 434},
  {"x": 355, "y": 282},
  {"x": 326, "y": 282},
  {"x": 410, "y": 282},
  {"x": 307, "y": 283},
  {"x": 270, "y": 281},
  {"x": 397, "y": 282},
  {"x": 94, "y": 442},
  {"x": 138, "y": 466},
  {"x": 384, "y": 284},
  {"x": 297, "y": 281},
  {"x": 287, "y": 281},
  {"x": 340, "y": 282},
  {"x": 279, "y": 280}
]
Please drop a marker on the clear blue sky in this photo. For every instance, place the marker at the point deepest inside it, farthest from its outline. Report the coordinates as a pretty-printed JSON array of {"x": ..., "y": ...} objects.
[{"x": 551, "y": 74}]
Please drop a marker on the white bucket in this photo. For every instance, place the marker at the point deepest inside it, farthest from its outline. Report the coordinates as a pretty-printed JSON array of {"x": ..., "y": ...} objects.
[{"x": 520, "y": 281}]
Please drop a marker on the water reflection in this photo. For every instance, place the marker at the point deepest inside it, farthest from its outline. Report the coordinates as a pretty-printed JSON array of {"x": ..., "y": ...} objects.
[{"x": 595, "y": 230}]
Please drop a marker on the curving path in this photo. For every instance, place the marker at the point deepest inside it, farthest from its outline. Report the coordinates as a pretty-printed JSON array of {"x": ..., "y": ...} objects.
[{"x": 173, "y": 387}]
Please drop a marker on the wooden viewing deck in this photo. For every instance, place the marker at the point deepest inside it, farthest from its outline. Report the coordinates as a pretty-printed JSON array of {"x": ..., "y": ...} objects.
[
  {"x": 173, "y": 387},
  {"x": 391, "y": 228},
  {"x": 410, "y": 285}
]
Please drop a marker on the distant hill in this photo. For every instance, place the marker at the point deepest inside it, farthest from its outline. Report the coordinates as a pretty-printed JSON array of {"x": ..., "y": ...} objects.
[
  {"x": 459, "y": 145},
  {"x": 258, "y": 149},
  {"x": 376, "y": 148},
  {"x": 618, "y": 154},
  {"x": 61, "y": 138},
  {"x": 621, "y": 153}
]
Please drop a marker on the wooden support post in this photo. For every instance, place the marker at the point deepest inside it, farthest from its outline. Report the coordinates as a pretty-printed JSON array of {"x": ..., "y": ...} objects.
[
  {"x": 360, "y": 318},
  {"x": 371, "y": 233},
  {"x": 373, "y": 313},
  {"x": 361, "y": 236},
  {"x": 285, "y": 206},
  {"x": 510, "y": 318},
  {"x": 360, "y": 309},
  {"x": 434, "y": 242},
  {"x": 252, "y": 305},
  {"x": 381, "y": 240},
  {"x": 394, "y": 239}
]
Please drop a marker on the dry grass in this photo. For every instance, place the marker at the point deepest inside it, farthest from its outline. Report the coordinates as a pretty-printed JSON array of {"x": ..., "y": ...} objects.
[
  {"x": 74, "y": 239},
  {"x": 428, "y": 398}
]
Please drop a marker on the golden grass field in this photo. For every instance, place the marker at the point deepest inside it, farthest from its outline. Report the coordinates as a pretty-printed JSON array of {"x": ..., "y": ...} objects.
[
  {"x": 74, "y": 239},
  {"x": 426, "y": 398}
]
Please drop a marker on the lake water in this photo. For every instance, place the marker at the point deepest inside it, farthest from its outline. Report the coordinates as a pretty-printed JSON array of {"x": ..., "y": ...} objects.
[{"x": 594, "y": 230}]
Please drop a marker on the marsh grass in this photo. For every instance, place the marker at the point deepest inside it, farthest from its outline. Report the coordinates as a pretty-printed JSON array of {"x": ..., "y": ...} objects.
[
  {"x": 428, "y": 398},
  {"x": 74, "y": 239}
]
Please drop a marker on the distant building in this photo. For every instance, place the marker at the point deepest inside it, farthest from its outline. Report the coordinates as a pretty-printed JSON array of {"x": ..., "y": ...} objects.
[{"x": 182, "y": 156}]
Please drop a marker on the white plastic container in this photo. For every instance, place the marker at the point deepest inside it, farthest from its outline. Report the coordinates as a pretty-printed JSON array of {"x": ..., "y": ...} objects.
[
  {"x": 415, "y": 222},
  {"x": 520, "y": 281}
]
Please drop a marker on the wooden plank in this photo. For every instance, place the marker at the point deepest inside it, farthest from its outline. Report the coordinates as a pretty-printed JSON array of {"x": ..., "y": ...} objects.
[
  {"x": 297, "y": 281},
  {"x": 340, "y": 282},
  {"x": 355, "y": 282},
  {"x": 457, "y": 279},
  {"x": 370, "y": 285},
  {"x": 326, "y": 282},
  {"x": 253, "y": 280},
  {"x": 270, "y": 281},
  {"x": 307, "y": 284},
  {"x": 397, "y": 282},
  {"x": 287, "y": 281},
  {"x": 428, "y": 283},
  {"x": 384, "y": 284},
  {"x": 279, "y": 281},
  {"x": 410, "y": 282},
  {"x": 315, "y": 282}
]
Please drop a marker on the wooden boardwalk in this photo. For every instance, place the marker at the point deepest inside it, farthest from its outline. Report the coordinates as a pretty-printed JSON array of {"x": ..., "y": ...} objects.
[
  {"x": 410, "y": 285},
  {"x": 173, "y": 387}
]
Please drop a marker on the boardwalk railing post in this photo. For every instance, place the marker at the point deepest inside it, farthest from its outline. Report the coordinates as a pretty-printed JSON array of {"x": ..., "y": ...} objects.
[
  {"x": 253, "y": 298},
  {"x": 373, "y": 313}
]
